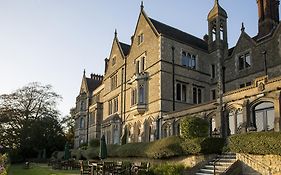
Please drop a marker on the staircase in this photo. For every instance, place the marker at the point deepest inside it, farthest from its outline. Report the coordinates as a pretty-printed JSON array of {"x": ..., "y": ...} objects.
[{"x": 221, "y": 162}]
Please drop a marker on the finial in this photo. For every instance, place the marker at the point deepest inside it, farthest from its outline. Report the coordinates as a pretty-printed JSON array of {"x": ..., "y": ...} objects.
[
  {"x": 115, "y": 33},
  {"x": 242, "y": 27},
  {"x": 217, "y": 1},
  {"x": 84, "y": 72},
  {"x": 142, "y": 5}
]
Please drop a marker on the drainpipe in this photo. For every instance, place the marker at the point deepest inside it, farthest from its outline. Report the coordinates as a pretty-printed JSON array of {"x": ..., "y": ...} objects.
[
  {"x": 265, "y": 64},
  {"x": 173, "y": 79}
]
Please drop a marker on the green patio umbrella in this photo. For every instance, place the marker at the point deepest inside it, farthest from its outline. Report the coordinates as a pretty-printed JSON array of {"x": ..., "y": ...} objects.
[
  {"x": 103, "y": 149},
  {"x": 66, "y": 151}
]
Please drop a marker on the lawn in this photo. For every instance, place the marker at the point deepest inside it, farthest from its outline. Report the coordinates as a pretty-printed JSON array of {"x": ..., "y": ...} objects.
[{"x": 39, "y": 169}]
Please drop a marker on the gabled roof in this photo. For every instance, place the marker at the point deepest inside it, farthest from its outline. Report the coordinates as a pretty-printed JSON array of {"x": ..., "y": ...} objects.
[
  {"x": 92, "y": 84},
  {"x": 179, "y": 35},
  {"x": 125, "y": 48}
]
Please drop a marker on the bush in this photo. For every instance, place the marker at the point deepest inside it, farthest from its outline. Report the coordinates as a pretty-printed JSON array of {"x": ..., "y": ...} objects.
[
  {"x": 3, "y": 164},
  {"x": 194, "y": 127},
  {"x": 203, "y": 146},
  {"x": 166, "y": 169},
  {"x": 94, "y": 143},
  {"x": 164, "y": 148},
  {"x": 260, "y": 143}
]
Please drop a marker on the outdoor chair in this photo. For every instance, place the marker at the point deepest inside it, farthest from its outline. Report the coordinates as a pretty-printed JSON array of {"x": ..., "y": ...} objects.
[{"x": 84, "y": 168}]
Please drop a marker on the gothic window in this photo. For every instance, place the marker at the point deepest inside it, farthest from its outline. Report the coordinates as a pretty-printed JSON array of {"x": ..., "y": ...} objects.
[
  {"x": 181, "y": 92},
  {"x": 83, "y": 106},
  {"x": 213, "y": 94},
  {"x": 113, "y": 105},
  {"x": 245, "y": 84},
  {"x": 197, "y": 95},
  {"x": 141, "y": 94},
  {"x": 133, "y": 97},
  {"x": 114, "y": 82},
  {"x": 221, "y": 31},
  {"x": 244, "y": 61},
  {"x": 140, "y": 38},
  {"x": 264, "y": 116},
  {"x": 137, "y": 67},
  {"x": 213, "y": 71},
  {"x": 82, "y": 123},
  {"x": 214, "y": 33},
  {"x": 93, "y": 118},
  {"x": 188, "y": 60},
  {"x": 140, "y": 65}
]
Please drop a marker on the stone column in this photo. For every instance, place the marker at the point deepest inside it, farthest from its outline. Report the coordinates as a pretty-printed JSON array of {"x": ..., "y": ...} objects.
[
  {"x": 246, "y": 116},
  {"x": 277, "y": 112}
]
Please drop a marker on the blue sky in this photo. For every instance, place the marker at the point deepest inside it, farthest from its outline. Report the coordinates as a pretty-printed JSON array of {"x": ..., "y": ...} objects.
[{"x": 52, "y": 41}]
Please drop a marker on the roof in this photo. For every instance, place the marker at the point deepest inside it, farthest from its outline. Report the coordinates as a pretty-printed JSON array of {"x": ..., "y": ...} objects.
[
  {"x": 93, "y": 84},
  {"x": 125, "y": 48},
  {"x": 230, "y": 51},
  {"x": 217, "y": 10},
  {"x": 179, "y": 35}
]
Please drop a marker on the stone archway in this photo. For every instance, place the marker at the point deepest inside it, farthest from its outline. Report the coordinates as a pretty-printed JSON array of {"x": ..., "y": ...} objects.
[{"x": 263, "y": 116}]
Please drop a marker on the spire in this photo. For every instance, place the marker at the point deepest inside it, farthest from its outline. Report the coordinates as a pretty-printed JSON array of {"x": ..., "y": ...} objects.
[
  {"x": 217, "y": 10},
  {"x": 242, "y": 27},
  {"x": 115, "y": 33},
  {"x": 141, "y": 5}
]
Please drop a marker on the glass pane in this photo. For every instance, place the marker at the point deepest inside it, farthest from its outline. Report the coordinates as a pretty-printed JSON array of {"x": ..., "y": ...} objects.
[
  {"x": 270, "y": 119},
  {"x": 259, "y": 121},
  {"x": 183, "y": 93},
  {"x": 247, "y": 61},
  {"x": 231, "y": 123},
  {"x": 241, "y": 62},
  {"x": 194, "y": 95},
  {"x": 178, "y": 91},
  {"x": 239, "y": 121},
  {"x": 199, "y": 96}
]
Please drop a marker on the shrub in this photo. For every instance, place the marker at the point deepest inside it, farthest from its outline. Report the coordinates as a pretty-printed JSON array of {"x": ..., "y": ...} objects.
[
  {"x": 3, "y": 164},
  {"x": 164, "y": 148},
  {"x": 91, "y": 153},
  {"x": 203, "y": 145},
  {"x": 166, "y": 169},
  {"x": 94, "y": 143},
  {"x": 193, "y": 127},
  {"x": 260, "y": 143}
]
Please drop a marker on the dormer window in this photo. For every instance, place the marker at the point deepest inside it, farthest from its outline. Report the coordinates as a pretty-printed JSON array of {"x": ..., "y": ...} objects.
[
  {"x": 244, "y": 61},
  {"x": 188, "y": 60},
  {"x": 140, "y": 38}
]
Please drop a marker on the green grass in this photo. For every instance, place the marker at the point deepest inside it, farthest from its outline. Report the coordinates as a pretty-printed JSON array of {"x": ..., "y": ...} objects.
[{"x": 39, "y": 169}]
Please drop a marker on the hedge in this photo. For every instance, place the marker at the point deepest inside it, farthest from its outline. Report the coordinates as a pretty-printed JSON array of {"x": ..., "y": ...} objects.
[
  {"x": 260, "y": 143},
  {"x": 160, "y": 149},
  {"x": 166, "y": 169}
]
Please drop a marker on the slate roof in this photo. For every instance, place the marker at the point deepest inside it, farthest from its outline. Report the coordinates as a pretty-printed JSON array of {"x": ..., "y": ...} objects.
[
  {"x": 93, "y": 84},
  {"x": 125, "y": 48},
  {"x": 179, "y": 35}
]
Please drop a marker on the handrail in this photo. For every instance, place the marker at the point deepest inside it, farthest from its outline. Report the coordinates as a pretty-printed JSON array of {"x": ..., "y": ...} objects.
[{"x": 248, "y": 157}]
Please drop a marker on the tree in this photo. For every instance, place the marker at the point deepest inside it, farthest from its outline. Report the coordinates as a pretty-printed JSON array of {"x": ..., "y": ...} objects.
[
  {"x": 68, "y": 124},
  {"x": 194, "y": 127},
  {"x": 29, "y": 120}
]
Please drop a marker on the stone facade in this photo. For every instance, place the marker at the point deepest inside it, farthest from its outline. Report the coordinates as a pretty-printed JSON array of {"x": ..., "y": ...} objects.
[{"x": 166, "y": 74}]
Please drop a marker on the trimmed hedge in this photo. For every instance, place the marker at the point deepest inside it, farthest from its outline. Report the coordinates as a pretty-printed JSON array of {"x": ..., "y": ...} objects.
[
  {"x": 260, "y": 143},
  {"x": 166, "y": 169},
  {"x": 161, "y": 149},
  {"x": 194, "y": 127}
]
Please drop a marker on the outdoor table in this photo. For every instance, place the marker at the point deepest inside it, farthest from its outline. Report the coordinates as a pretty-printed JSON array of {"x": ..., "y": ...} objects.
[{"x": 95, "y": 167}]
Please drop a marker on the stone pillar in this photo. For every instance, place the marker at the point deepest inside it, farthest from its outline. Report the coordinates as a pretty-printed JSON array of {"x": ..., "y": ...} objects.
[
  {"x": 277, "y": 112},
  {"x": 246, "y": 116}
]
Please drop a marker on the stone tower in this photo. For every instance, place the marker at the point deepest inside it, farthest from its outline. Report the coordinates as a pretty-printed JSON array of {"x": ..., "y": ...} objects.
[
  {"x": 268, "y": 11},
  {"x": 217, "y": 24}
]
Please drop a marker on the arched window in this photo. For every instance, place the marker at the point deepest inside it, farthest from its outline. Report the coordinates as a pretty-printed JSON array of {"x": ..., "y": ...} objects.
[
  {"x": 264, "y": 116},
  {"x": 221, "y": 31},
  {"x": 141, "y": 94},
  {"x": 82, "y": 122}
]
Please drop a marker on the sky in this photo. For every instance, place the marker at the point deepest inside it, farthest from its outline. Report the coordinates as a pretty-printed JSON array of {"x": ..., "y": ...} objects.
[{"x": 53, "y": 41}]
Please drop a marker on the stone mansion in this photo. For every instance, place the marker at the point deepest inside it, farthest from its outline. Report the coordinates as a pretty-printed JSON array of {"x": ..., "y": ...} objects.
[{"x": 165, "y": 74}]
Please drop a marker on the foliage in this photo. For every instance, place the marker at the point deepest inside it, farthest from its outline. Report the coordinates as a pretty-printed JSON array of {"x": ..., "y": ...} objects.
[
  {"x": 193, "y": 127},
  {"x": 166, "y": 169},
  {"x": 94, "y": 143},
  {"x": 68, "y": 124},
  {"x": 260, "y": 143},
  {"x": 29, "y": 123},
  {"x": 203, "y": 146},
  {"x": 3, "y": 164},
  {"x": 165, "y": 148}
]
